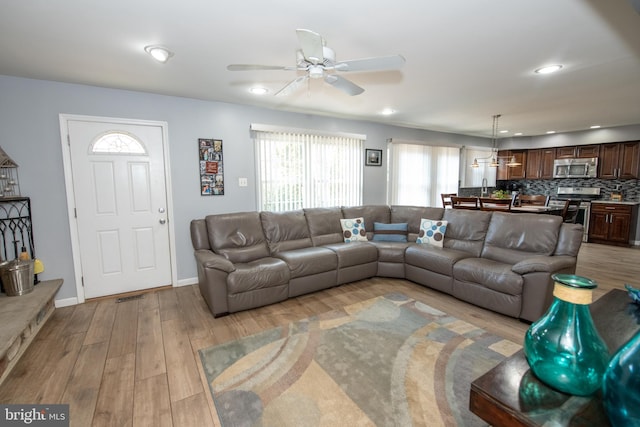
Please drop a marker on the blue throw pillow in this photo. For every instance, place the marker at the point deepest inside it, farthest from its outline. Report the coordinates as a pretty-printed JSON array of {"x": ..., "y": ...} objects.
[{"x": 389, "y": 232}]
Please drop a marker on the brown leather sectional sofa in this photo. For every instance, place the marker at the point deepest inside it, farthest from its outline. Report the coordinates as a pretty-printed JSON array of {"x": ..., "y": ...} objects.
[{"x": 499, "y": 261}]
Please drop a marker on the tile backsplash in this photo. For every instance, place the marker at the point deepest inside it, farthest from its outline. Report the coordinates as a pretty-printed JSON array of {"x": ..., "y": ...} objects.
[{"x": 628, "y": 187}]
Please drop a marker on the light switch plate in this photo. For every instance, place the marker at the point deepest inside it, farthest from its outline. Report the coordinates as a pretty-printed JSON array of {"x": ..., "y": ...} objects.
[{"x": 242, "y": 182}]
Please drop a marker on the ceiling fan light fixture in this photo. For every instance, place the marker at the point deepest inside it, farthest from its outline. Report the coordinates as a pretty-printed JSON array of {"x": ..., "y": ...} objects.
[
  {"x": 159, "y": 53},
  {"x": 316, "y": 72}
]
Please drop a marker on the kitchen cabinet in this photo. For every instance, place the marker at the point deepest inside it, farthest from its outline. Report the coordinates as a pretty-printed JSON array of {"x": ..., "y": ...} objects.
[
  {"x": 540, "y": 163},
  {"x": 578, "y": 151},
  {"x": 587, "y": 151},
  {"x": 512, "y": 172},
  {"x": 620, "y": 160},
  {"x": 611, "y": 223}
]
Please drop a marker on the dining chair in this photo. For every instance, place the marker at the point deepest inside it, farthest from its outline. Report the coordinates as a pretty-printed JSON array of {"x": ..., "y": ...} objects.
[
  {"x": 464, "y": 202},
  {"x": 446, "y": 199},
  {"x": 532, "y": 200},
  {"x": 492, "y": 204},
  {"x": 570, "y": 211}
]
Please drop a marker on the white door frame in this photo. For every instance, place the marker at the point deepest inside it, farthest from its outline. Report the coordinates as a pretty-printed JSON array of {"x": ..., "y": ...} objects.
[{"x": 68, "y": 179}]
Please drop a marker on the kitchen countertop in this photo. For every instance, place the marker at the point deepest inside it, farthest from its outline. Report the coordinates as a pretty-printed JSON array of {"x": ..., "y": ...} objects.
[{"x": 616, "y": 202}]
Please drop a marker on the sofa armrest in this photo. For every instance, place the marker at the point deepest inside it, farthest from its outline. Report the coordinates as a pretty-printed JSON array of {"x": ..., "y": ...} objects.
[
  {"x": 547, "y": 264},
  {"x": 208, "y": 259}
]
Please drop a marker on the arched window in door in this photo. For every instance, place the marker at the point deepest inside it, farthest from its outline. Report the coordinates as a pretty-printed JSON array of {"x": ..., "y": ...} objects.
[{"x": 118, "y": 142}]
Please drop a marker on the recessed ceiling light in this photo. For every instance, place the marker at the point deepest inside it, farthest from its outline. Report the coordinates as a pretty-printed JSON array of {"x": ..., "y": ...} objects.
[
  {"x": 159, "y": 53},
  {"x": 259, "y": 90},
  {"x": 504, "y": 131},
  {"x": 551, "y": 131},
  {"x": 595, "y": 127},
  {"x": 517, "y": 134},
  {"x": 548, "y": 69},
  {"x": 388, "y": 111}
]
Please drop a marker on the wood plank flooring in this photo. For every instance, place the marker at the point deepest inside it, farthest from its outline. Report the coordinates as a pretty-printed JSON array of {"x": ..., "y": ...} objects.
[{"x": 136, "y": 363}]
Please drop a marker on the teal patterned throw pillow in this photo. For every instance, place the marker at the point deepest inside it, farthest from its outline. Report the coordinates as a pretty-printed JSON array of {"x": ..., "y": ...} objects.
[
  {"x": 353, "y": 230},
  {"x": 432, "y": 232}
]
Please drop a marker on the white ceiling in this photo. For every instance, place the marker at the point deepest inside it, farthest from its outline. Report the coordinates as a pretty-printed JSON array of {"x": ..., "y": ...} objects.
[{"x": 466, "y": 60}]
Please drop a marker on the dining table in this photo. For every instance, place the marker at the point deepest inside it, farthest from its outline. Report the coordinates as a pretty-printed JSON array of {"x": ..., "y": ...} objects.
[{"x": 549, "y": 210}]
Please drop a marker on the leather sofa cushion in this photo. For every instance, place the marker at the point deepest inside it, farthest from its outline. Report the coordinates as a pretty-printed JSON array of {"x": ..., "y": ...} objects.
[
  {"x": 285, "y": 231},
  {"x": 569, "y": 239},
  {"x": 391, "y": 251},
  {"x": 324, "y": 225},
  {"x": 199, "y": 236},
  {"x": 512, "y": 238},
  {"x": 493, "y": 275},
  {"x": 237, "y": 236},
  {"x": 466, "y": 230},
  {"x": 308, "y": 261},
  {"x": 370, "y": 213},
  {"x": 259, "y": 274},
  {"x": 354, "y": 253},
  {"x": 412, "y": 216},
  {"x": 433, "y": 258}
]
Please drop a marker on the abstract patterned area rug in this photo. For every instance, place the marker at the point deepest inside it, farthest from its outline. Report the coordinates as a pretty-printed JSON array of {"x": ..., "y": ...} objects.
[{"x": 388, "y": 361}]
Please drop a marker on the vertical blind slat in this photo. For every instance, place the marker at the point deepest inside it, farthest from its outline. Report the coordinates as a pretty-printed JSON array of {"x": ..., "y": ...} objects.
[{"x": 305, "y": 170}]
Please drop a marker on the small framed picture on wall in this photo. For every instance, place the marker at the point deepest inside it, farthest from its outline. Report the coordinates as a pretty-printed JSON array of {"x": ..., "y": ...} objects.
[{"x": 373, "y": 157}]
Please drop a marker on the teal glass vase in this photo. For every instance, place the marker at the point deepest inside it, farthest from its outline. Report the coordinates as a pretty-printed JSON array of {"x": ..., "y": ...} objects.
[
  {"x": 563, "y": 347},
  {"x": 621, "y": 385}
]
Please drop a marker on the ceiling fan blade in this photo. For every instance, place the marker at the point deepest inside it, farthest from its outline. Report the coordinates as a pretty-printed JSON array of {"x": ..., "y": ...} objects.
[
  {"x": 251, "y": 67},
  {"x": 292, "y": 86},
  {"x": 393, "y": 62},
  {"x": 311, "y": 44},
  {"x": 343, "y": 84}
]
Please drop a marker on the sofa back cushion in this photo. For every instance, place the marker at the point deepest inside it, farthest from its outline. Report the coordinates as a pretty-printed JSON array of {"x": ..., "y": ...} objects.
[
  {"x": 324, "y": 225},
  {"x": 466, "y": 229},
  {"x": 412, "y": 216},
  {"x": 569, "y": 240},
  {"x": 285, "y": 231},
  {"x": 370, "y": 213},
  {"x": 199, "y": 235},
  {"x": 513, "y": 237},
  {"x": 237, "y": 236}
]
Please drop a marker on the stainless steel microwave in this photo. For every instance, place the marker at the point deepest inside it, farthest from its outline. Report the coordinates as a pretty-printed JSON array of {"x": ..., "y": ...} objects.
[{"x": 575, "y": 168}]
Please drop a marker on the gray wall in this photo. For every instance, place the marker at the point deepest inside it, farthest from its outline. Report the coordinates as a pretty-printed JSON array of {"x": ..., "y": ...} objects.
[{"x": 30, "y": 134}]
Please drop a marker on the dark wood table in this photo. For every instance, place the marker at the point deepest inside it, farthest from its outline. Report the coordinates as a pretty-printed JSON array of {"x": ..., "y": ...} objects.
[{"x": 510, "y": 395}]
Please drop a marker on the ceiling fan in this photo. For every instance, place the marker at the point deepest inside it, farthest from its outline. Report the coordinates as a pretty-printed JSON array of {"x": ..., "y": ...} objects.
[{"x": 319, "y": 61}]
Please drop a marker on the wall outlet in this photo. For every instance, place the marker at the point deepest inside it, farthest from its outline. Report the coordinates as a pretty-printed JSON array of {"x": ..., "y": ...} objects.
[{"x": 242, "y": 182}]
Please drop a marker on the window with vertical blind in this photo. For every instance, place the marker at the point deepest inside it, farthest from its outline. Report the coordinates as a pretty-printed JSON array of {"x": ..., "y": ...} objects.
[
  {"x": 300, "y": 169},
  {"x": 419, "y": 173}
]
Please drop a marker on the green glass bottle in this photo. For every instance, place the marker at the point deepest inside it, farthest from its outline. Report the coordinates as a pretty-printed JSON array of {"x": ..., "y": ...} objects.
[{"x": 563, "y": 347}]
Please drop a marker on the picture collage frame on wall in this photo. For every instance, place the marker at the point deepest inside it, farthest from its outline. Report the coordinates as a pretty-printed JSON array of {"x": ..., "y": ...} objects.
[{"x": 211, "y": 167}]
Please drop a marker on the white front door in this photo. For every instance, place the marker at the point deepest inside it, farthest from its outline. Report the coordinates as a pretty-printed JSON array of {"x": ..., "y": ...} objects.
[{"x": 120, "y": 202}]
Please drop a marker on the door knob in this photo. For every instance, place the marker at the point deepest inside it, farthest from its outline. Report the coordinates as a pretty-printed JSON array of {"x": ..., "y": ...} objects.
[{"x": 163, "y": 221}]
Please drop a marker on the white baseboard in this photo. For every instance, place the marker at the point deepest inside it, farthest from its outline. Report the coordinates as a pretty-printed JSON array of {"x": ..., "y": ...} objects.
[
  {"x": 187, "y": 282},
  {"x": 66, "y": 302}
]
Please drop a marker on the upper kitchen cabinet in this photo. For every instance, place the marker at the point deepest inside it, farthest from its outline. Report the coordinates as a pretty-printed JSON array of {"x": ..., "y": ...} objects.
[
  {"x": 540, "y": 163},
  {"x": 512, "y": 172},
  {"x": 620, "y": 160},
  {"x": 578, "y": 151}
]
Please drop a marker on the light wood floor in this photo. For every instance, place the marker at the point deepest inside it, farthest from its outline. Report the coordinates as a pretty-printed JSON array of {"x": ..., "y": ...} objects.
[{"x": 136, "y": 363}]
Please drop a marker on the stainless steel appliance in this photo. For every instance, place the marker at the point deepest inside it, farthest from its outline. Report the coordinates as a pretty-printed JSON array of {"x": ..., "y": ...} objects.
[
  {"x": 575, "y": 168},
  {"x": 585, "y": 195}
]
